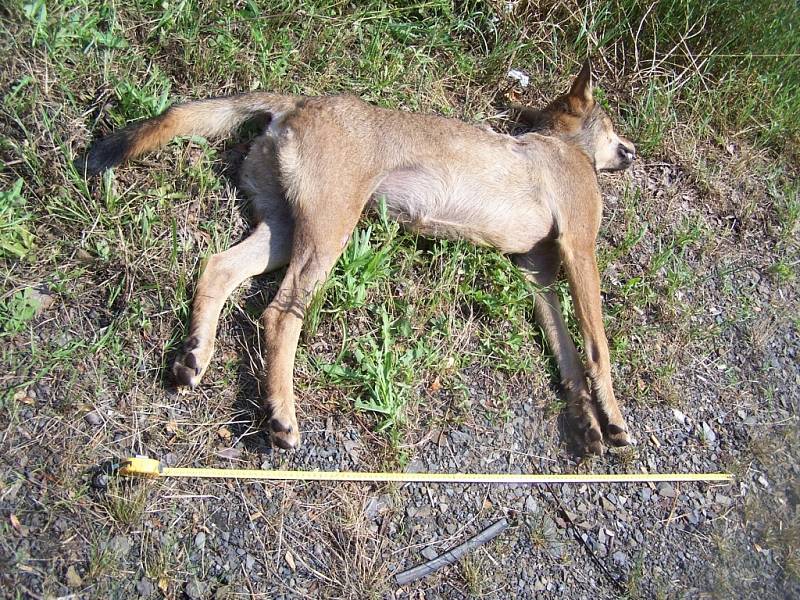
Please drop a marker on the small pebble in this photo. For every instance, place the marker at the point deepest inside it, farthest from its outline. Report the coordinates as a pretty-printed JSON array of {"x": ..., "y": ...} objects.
[
  {"x": 665, "y": 490},
  {"x": 145, "y": 588},
  {"x": 92, "y": 418},
  {"x": 430, "y": 553},
  {"x": 708, "y": 433},
  {"x": 195, "y": 589}
]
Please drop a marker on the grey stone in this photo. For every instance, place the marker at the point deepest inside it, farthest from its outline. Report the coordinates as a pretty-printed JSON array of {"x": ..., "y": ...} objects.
[
  {"x": 120, "y": 545},
  {"x": 708, "y": 433},
  {"x": 92, "y": 418},
  {"x": 145, "y": 588},
  {"x": 372, "y": 508},
  {"x": 666, "y": 490},
  {"x": 200, "y": 540},
  {"x": 195, "y": 589},
  {"x": 430, "y": 553}
]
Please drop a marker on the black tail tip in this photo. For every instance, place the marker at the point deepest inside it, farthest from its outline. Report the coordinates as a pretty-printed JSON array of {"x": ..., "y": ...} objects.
[{"x": 104, "y": 154}]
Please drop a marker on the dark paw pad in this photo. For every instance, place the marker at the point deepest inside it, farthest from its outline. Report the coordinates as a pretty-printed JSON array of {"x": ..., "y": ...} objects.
[
  {"x": 595, "y": 448},
  {"x": 282, "y": 442},
  {"x": 278, "y": 427},
  {"x": 190, "y": 361},
  {"x": 616, "y": 435},
  {"x": 183, "y": 375}
]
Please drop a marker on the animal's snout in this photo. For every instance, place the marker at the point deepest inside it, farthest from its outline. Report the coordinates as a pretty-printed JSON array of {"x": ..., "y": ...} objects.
[{"x": 626, "y": 153}]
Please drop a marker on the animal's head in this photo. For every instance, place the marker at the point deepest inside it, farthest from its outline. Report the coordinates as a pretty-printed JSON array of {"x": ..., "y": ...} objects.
[{"x": 578, "y": 118}]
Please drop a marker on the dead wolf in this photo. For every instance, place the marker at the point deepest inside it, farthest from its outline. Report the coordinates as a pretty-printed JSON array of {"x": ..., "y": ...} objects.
[{"x": 322, "y": 160}]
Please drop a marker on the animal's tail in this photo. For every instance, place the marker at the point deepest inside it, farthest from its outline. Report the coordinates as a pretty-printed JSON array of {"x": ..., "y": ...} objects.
[{"x": 209, "y": 118}]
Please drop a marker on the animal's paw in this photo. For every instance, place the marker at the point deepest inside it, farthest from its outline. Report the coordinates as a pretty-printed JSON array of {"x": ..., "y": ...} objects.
[
  {"x": 191, "y": 364},
  {"x": 592, "y": 441},
  {"x": 285, "y": 433},
  {"x": 617, "y": 435},
  {"x": 588, "y": 433}
]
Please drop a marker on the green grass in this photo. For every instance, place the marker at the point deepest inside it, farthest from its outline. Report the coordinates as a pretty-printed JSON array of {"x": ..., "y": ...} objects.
[
  {"x": 16, "y": 239},
  {"x": 16, "y": 311}
]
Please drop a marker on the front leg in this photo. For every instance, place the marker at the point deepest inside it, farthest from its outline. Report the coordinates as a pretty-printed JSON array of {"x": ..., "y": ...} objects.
[
  {"x": 584, "y": 282},
  {"x": 541, "y": 267}
]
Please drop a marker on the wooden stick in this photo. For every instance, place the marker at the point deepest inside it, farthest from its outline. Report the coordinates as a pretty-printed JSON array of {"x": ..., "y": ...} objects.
[{"x": 452, "y": 555}]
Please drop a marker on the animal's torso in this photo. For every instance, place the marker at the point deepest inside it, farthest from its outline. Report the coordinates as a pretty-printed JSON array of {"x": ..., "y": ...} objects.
[{"x": 438, "y": 176}]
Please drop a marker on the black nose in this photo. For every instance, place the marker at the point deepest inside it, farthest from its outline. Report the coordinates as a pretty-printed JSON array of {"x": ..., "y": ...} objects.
[{"x": 626, "y": 153}]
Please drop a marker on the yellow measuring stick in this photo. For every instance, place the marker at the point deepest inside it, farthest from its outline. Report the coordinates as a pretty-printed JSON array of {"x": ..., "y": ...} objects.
[{"x": 141, "y": 466}]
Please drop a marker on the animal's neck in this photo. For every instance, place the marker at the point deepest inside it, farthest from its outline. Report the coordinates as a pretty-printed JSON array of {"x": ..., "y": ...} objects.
[
  {"x": 536, "y": 121},
  {"x": 541, "y": 122},
  {"x": 582, "y": 142}
]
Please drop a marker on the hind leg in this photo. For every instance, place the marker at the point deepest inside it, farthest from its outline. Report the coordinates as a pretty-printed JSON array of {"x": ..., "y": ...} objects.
[
  {"x": 321, "y": 233},
  {"x": 266, "y": 248},
  {"x": 541, "y": 266}
]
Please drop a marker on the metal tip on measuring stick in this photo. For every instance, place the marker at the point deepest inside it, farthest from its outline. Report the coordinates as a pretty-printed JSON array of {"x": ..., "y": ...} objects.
[{"x": 141, "y": 466}]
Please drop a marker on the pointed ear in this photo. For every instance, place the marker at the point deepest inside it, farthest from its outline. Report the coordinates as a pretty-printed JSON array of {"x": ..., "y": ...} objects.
[{"x": 580, "y": 94}]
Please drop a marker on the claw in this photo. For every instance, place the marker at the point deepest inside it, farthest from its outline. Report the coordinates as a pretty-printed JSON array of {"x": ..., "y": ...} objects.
[{"x": 284, "y": 436}]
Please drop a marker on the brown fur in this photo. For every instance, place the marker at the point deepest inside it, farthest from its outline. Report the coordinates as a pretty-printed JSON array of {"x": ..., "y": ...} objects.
[{"x": 321, "y": 160}]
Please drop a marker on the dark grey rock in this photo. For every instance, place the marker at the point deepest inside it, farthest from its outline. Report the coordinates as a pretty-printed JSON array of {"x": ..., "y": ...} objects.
[
  {"x": 145, "y": 588},
  {"x": 93, "y": 419},
  {"x": 430, "y": 553},
  {"x": 195, "y": 589}
]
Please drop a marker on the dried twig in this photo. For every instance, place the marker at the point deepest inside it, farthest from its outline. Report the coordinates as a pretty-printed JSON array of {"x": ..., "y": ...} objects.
[{"x": 453, "y": 555}]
